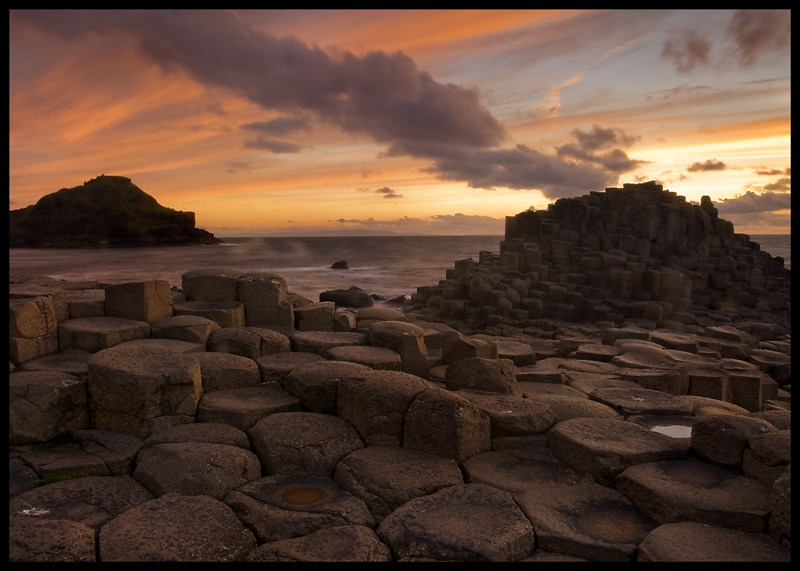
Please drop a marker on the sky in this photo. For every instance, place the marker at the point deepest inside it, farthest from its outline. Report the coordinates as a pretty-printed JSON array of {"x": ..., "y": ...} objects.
[{"x": 406, "y": 121}]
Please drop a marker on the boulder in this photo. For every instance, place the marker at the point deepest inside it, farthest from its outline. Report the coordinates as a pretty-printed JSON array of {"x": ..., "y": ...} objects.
[
  {"x": 352, "y": 297},
  {"x": 195, "y": 468},
  {"x": 442, "y": 527},
  {"x": 447, "y": 424},
  {"x": 386, "y": 478},
  {"x": 33, "y": 540},
  {"x": 316, "y": 384},
  {"x": 375, "y": 403},
  {"x": 44, "y": 405},
  {"x": 92, "y": 501},
  {"x": 406, "y": 340},
  {"x": 137, "y": 390},
  {"x": 303, "y": 442},
  {"x": 488, "y": 375},
  {"x": 147, "y": 301},
  {"x": 687, "y": 490},
  {"x": 176, "y": 528},
  {"x": 340, "y": 265},
  {"x": 286, "y": 506},
  {"x": 243, "y": 407},
  {"x": 250, "y": 342}
]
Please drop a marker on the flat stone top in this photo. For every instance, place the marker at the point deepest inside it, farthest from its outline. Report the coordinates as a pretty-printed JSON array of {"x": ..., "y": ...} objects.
[
  {"x": 102, "y": 324},
  {"x": 606, "y": 436},
  {"x": 210, "y": 432},
  {"x": 213, "y": 272},
  {"x": 633, "y": 401},
  {"x": 181, "y": 321},
  {"x": 381, "y": 314},
  {"x": 42, "y": 379},
  {"x": 328, "y": 337},
  {"x": 143, "y": 360},
  {"x": 72, "y": 362}
]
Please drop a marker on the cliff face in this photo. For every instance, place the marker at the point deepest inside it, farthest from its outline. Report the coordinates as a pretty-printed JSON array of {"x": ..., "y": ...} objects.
[{"x": 105, "y": 211}]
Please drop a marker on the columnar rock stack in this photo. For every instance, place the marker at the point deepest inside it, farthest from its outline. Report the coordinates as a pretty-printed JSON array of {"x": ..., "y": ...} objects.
[{"x": 637, "y": 253}]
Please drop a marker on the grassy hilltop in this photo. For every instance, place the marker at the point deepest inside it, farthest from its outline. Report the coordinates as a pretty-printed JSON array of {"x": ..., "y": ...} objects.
[{"x": 105, "y": 211}]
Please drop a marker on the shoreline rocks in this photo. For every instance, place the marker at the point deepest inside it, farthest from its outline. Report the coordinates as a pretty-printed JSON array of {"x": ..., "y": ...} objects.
[{"x": 392, "y": 435}]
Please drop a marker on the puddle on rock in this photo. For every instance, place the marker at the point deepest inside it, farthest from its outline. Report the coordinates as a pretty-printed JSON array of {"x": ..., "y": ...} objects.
[
  {"x": 302, "y": 495},
  {"x": 674, "y": 430}
]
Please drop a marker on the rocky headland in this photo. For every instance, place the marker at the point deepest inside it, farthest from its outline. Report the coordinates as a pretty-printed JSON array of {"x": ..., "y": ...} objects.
[
  {"x": 231, "y": 420},
  {"x": 106, "y": 211}
]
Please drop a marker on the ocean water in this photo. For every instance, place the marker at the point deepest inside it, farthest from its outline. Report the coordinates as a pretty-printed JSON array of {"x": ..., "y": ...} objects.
[{"x": 385, "y": 265}]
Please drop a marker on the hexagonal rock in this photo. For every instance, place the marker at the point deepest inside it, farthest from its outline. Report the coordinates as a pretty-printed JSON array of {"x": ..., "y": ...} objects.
[
  {"x": 404, "y": 339},
  {"x": 86, "y": 303},
  {"x": 286, "y": 506},
  {"x": 677, "y": 341},
  {"x": 710, "y": 382},
  {"x": 456, "y": 346},
  {"x": 242, "y": 408},
  {"x": 250, "y": 342},
  {"x": 211, "y": 284},
  {"x": 223, "y": 313},
  {"x": 585, "y": 520},
  {"x": 630, "y": 401},
  {"x": 316, "y": 384},
  {"x": 92, "y": 501},
  {"x": 221, "y": 371},
  {"x": 671, "y": 381},
  {"x": 489, "y": 375},
  {"x": 191, "y": 328},
  {"x": 320, "y": 342},
  {"x": 72, "y": 363},
  {"x": 195, "y": 468},
  {"x": 515, "y": 471},
  {"x": 443, "y": 526},
  {"x": 137, "y": 390},
  {"x": 775, "y": 364},
  {"x": 386, "y": 478},
  {"x": 346, "y": 543},
  {"x": 447, "y": 424},
  {"x": 176, "y": 528},
  {"x": 380, "y": 314},
  {"x": 31, "y": 540},
  {"x": 97, "y": 333},
  {"x": 772, "y": 448},
  {"x": 21, "y": 477},
  {"x": 275, "y": 367},
  {"x": 688, "y": 490},
  {"x": 264, "y": 297},
  {"x": 721, "y": 439},
  {"x": 315, "y": 316},
  {"x": 512, "y": 415},
  {"x": 168, "y": 344},
  {"x": 31, "y": 317},
  {"x": 303, "y": 442},
  {"x": 605, "y": 447},
  {"x": 588, "y": 382},
  {"x": 376, "y": 403},
  {"x": 378, "y": 358},
  {"x": 565, "y": 407},
  {"x": 640, "y": 360},
  {"x": 210, "y": 432},
  {"x": 520, "y": 353},
  {"x": 63, "y": 462},
  {"x": 595, "y": 352},
  {"x": 690, "y": 541},
  {"x": 43, "y": 405},
  {"x": 747, "y": 389},
  {"x": 141, "y": 301},
  {"x": 118, "y": 451}
]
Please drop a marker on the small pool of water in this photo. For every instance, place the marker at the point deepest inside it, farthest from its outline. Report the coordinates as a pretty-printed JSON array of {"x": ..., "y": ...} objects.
[{"x": 674, "y": 430}]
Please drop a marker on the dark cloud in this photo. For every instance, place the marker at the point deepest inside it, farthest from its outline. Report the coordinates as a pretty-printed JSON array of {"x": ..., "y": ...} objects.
[
  {"x": 771, "y": 172},
  {"x": 709, "y": 165},
  {"x": 751, "y": 203},
  {"x": 687, "y": 51},
  {"x": 388, "y": 192},
  {"x": 274, "y": 145},
  {"x": 759, "y": 32},
  {"x": 280, "y": 127},
  {"x": 383, "y": 96},
  {"x": 781, "y": 185}
]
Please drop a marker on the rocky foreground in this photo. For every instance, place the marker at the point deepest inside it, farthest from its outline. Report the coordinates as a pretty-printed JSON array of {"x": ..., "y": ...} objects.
[{"x": 234, "y": 421}]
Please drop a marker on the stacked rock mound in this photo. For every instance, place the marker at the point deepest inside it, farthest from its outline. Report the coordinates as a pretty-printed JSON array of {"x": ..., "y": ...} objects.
[
  {"x": 232, "y": 421},
  {"x": 637, "y": 254}
]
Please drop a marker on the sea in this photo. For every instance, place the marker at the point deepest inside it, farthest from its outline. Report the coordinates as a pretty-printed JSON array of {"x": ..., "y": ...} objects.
[{"x": 388, "y": 266}]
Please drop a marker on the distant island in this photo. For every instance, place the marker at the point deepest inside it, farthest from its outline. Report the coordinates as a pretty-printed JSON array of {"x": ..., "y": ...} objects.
[{"x": 107, "y": 211}]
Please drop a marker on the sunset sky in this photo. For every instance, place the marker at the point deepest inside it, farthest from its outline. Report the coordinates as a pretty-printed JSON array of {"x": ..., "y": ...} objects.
[{"x": 434, "y": 122}]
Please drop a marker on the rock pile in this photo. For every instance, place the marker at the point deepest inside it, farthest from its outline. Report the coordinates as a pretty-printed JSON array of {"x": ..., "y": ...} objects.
[
  {"x": 637, "y": 254},
  {"x": 227, "y": 423}
]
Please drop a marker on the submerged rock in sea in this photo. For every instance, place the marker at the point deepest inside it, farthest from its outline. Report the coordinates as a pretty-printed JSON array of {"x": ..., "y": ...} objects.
[{"x": 340, "y": 265}]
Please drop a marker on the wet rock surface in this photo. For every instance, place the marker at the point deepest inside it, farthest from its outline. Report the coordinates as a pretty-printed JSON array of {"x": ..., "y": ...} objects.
[{"x": 621, "y": 411}]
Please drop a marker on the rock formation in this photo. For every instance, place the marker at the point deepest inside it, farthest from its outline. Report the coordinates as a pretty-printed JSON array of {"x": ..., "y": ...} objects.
[
  {"x": 638, "y": 255},
  {"x": 104, "y": 211}
]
